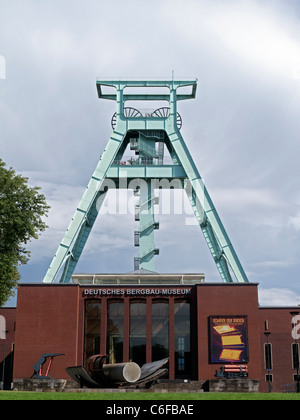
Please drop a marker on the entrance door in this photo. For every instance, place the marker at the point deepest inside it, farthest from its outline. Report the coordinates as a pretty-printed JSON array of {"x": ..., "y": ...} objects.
[{"x": 115, "y": 330}]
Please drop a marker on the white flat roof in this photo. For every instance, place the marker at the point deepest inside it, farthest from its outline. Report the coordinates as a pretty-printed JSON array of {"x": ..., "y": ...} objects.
[{"x": 139, "y": 277}]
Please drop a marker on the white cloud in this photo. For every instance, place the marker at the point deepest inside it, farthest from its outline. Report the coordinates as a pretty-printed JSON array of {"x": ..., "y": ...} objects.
[
  {"x": 294, "y": 221},
  {"x": 254, "y": 34},
  {"x": 278, "y": 297},
  {"x": 249, "y": 197},
  {"x": 274, "y": 264},
  {"x": 261, "y": 42}
]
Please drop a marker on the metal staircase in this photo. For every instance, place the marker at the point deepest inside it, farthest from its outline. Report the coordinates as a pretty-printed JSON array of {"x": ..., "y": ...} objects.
[{"x": 150, "y": 153}]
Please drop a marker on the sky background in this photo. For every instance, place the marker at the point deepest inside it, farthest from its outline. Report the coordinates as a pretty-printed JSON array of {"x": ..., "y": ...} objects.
[{"x": 243, "y": 128}]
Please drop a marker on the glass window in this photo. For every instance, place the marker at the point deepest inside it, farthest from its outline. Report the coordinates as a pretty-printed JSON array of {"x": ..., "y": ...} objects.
[
  {"x": 182, "y": 336},
  {"x": 268, "y": 356},
  {"x": 137, "y": 337},
  {"x": 160, "y": 330},
  {"x": 92, "y": 328},
  {"x": 115, "y": 318},
  {"x": 295, "y": 355},
  {"x": 269, "y": 377}
]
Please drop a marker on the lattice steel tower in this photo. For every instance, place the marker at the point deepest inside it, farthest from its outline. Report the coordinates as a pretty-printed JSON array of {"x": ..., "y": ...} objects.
[{"x": 148, "y": 134}]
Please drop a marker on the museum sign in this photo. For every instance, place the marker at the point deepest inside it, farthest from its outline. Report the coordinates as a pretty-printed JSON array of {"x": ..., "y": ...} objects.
[{"x": 142, "y": 291}]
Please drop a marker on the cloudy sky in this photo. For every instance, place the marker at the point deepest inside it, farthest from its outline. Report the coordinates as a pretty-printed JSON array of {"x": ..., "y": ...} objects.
[{"x": 243, "y": 128}]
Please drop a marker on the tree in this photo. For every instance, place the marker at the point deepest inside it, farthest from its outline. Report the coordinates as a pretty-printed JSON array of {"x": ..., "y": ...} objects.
[{"x": 22, "y": 209}]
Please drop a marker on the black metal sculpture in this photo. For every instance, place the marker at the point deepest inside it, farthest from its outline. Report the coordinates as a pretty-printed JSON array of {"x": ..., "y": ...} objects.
[{"x": 38, "y": 366}]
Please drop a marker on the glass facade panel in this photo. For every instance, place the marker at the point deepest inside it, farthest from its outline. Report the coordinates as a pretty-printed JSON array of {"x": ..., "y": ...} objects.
[
  {"x": 137, "y": 337},
  {"x": 92, "y": 328},
  {"x": 182, "y": 336},
  {"x": 268, "y": 356},
  {"x": 160, "y": 330},
  {"x": 137, "y": 327},
  {"x": 295, "y": 355},
  {"x": 115, "y": 320}
]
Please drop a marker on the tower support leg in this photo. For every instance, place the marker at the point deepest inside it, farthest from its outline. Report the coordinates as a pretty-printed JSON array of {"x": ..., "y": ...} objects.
[
  {"x": 82, "y": 237},
  {"x": 207, "y": 216},
  {"x": 80, "y": 218}
]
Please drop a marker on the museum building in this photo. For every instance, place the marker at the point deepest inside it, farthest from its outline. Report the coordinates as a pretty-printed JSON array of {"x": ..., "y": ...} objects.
[{"x": 145, "y": 317}]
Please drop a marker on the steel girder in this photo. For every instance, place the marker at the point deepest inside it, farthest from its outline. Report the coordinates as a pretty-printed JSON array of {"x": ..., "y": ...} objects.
[
  {"x": 183, "y": 168},
  {"x": 84, "y": 217},
  {"x": 209, "y": 221}
]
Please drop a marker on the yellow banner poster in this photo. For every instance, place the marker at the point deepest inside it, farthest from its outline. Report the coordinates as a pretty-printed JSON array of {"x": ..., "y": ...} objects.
[{"x": 228, "y": 339}]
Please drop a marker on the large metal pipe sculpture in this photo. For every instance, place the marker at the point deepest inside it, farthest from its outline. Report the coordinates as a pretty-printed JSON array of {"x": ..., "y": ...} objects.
[
  {"x": 116, "y": 372},
  {"x": 98, "y": 374},
  {"x": 122, "y": 372}
]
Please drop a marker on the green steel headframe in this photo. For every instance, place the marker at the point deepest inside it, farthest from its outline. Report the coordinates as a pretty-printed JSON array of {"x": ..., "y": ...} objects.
[{"x": 147, "y": 134}]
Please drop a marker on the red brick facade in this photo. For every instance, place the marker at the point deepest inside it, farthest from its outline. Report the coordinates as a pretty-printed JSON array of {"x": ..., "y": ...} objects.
[{"x": 51, "y": 319}]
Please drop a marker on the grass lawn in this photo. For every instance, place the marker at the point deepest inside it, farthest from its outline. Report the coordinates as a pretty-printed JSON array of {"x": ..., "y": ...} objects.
[{"x": 131, "y": 396}]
